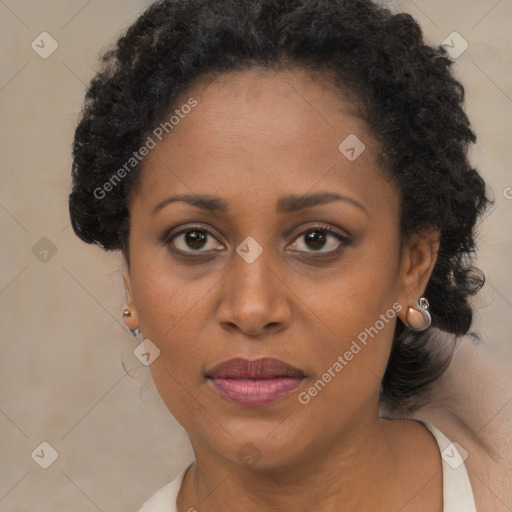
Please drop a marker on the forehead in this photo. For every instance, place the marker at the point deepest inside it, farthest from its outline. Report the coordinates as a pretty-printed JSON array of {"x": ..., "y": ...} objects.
[
  {"x": 272, "y": 132},
  {"x": 293, "y": 105}
]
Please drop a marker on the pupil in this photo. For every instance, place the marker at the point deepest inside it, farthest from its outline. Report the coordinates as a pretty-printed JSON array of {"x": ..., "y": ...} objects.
[
  {"x": 317, "y": 239},
  {"x": 195, "y": 239}
]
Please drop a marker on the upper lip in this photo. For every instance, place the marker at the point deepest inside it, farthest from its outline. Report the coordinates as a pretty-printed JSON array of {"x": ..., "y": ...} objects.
[{"x": 263, "y": 368}]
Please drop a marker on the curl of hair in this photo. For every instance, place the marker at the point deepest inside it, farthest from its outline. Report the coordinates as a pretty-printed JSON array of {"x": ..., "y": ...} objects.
[{"x": 405, "y": 89}]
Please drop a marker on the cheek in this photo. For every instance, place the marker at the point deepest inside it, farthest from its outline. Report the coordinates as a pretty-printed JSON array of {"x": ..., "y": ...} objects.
[
  {"x": 359, "y": 328},
  {"x": 351, "y": 359},
  {"x": 169, "y": 317},
  {"x": 165, "y": 294},
  {"x": 364, "y": 288},
  {"x": 358, "y": 312},
  {"x": 168, "y": 310}
]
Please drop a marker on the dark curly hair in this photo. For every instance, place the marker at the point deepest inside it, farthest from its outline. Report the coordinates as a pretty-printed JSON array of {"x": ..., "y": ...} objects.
[{"x": 405, "y": 90}]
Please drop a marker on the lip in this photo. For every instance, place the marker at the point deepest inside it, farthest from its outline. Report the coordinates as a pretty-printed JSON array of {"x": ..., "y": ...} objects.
[{"x": 255, "y": 383}]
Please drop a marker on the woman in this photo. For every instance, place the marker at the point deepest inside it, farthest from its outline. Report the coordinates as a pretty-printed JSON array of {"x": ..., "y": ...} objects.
[{"x": 289, "y": 186}]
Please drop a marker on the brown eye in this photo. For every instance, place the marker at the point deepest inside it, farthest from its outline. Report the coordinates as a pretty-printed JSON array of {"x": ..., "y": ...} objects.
[
  {"x": 194, "y": 239},
  {"x": 319, "y": 237},
  {"x": 315, "y": 239}
]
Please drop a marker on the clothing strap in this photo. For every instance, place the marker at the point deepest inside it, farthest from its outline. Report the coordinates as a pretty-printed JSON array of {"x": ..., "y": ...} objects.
[{"x": 457, "y": 491}]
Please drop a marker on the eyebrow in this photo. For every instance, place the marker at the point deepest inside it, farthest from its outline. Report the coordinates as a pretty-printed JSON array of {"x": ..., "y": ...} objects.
[{"x": 286, "y": 204}]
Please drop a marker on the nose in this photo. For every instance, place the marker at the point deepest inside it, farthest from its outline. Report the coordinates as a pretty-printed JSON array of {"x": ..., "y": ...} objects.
[{"x": 254, "y": 298}]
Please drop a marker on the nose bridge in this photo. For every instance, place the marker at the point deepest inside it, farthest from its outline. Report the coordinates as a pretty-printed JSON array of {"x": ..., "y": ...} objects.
[
  {"x": 252, "y": 297},
  {"x": 252, "y": 272}
]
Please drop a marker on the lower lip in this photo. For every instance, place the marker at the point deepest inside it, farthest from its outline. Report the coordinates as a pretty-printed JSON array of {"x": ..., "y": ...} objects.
[{"x": 256, "y": 392}]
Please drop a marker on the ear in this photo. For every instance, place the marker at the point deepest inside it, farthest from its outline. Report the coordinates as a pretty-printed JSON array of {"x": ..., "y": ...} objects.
[
  {"x": 131, "y": 321},
  {"x": 419, "y": 256}
]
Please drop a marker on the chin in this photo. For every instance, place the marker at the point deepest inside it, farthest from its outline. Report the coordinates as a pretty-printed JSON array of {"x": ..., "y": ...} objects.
[{"x": 253, "y": 449}]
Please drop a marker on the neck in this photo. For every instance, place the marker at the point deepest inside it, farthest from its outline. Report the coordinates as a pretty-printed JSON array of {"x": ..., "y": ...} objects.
[{"x": 362, "y": 470}]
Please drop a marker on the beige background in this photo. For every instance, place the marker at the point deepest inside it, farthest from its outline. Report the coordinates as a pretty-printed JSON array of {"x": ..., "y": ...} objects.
[{"x": 63, "y": 342}]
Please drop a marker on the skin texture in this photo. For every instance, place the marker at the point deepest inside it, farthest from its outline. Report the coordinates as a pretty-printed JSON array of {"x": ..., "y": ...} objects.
[{"x": 254, "y": 137}]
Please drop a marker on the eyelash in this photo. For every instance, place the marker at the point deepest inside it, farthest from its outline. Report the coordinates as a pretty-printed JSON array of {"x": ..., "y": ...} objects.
[{"x": 344, "y": 240}]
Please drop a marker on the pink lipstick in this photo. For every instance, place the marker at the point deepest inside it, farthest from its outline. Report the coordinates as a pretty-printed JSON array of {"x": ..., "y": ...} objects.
[{"x": 255, "y": 383}]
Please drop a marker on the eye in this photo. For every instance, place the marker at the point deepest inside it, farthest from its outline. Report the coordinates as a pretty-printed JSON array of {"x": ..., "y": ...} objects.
[
  {"x": 317, "y": 238},
  {"x": 194, "y": 239},
  {"x": 197, "y": 239}
]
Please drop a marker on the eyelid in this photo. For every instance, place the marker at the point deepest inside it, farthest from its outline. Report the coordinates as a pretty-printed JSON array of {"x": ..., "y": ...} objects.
[
  {"x": 167, "y": 239},
  {"x": 343, "y": 238}
]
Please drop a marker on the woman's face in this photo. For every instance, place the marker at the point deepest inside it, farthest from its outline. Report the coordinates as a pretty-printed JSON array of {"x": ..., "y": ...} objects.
[{"x": 286, "y": 273}]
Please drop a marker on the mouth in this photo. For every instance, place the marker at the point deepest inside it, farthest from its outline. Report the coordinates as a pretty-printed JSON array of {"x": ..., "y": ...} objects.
[{"x": 255, "y": 383}]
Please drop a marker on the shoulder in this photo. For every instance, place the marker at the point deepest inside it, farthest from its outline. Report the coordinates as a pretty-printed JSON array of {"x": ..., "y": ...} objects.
[
  {"x": 164, "y": 500},
  {"x": 472, "y": 405}
]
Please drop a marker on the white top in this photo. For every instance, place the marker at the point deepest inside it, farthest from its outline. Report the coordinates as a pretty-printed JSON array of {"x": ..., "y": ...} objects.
[{"x": 457, "y": 492}]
